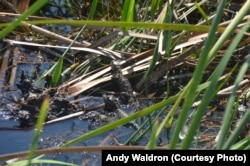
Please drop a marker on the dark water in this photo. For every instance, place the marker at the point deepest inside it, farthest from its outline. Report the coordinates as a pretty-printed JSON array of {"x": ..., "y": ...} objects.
[{"x": 54, "y": 135}]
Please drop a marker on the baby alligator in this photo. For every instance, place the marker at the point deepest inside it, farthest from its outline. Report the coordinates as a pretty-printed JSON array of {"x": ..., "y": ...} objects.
[
  {"x": 111, "y": 105},
  {"x": 126, "y": 95},
  {"x": 125, "y": 88}
]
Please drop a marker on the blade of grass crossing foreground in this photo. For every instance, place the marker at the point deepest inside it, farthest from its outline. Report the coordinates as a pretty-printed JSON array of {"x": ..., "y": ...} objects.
[
  {"x": 39, "y": 127},
  {"x": 234, "y": 136},
  {"x": 35, "y": 7},
  {"x": 241, "y": 145},
  {"x": 145, "y": 25},
  {"x": 167, "y": 120},
  {"x": 234, "y": 23},
  {"x": 209, "y": 93},
  {"x": 40, "y": 162},
  {"x": 153, "y": 138},
  {"x": 229, "y": 30},
  {"x": 228, "y": 113},
  {"x": 213, "y": 51},
  {"x": 194, "y": 82}
]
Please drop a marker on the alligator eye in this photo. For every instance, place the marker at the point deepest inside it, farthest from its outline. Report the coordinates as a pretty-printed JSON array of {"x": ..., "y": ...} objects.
[
  {"x": 115, "y": 65},
  {"x": 48, "y": 79}
]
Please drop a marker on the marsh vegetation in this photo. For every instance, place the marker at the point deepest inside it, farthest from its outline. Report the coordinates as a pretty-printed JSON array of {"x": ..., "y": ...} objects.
[{"x": 82, "y": 76}]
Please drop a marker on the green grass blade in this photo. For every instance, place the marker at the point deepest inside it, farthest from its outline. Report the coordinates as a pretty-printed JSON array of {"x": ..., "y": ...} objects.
[
  {"x": 155, "y": 4},
  {"x": 57, "y": 71},
  {"x": 194, "y": 82},
  {"x": 230, "y": 29},
  {"x": 41, "y": 161},
  {"x": 202, "y": 13},
  {"x": 209, "y": 94},
  {"x": 153, "y": 61},
  {"x": 228, "y": 112},
  {"x": 128, "y": 11},
  {"x": 234, "y": 136},
  {"x": 93, "y": 9},
  {"x": 168, "y": 119},
  {"x": 39, "y": 127},
  {"x": 222, "y": 144},
  {"x": 153, "y": 138},
  {"x": 122, "y": 121},
  {"x": 241, "y": 145},
  {"x": 122, "y": 24},
  {"x": 35, "y": 7},
  {"x": 167, "y": 40}
]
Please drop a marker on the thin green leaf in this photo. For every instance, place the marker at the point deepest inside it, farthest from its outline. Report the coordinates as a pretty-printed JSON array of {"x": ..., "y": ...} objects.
[
  {"x": 122, "y": 24},
  {"x": 93, "y": 9},
  {"x": 35, "y": 7},
  {"x": 155, "y": 4},
  {"x": 57, "y": 71},
  {"x": 122, "y": 121},
  {"x": 239, "y": 128},
  {"x": 241, "y": 145},
  {"x": 194, "y": 82},
  {"x": 128, "y": 10},
  {"x": 39, "y": 127},
  {"x": 210, "y": 91},
  {"x": 41, "y": 161},
  {"x": 152, "y": 142},
  {"x": 202, "y": 13}
]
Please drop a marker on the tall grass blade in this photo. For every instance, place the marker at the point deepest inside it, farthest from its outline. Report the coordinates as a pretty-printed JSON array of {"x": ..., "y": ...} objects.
[
  {"x": 92, "y": 9},
  {"x": 239, "y": 128},
  {"x": 40, "y": 161},
  {"x": 39, "y": 128},
  {"x": 209, "y": 93},
  {"x": 194, "y": 82},
  {"x": 229, "y": 30},
  {"x": 37, "y": 5},
  {"x": 167, "y": 40},
  {"x": 151, "y": 144},
  {"x": 222, "y": 144},
  {"x": 241, "y": 145},
  {"x": 57, "y": 71},
  {"x": 155, "y": 4},
  {"x": 145, "y": 25},
  {"x": 128, "y": 10},
  {"x": 202, "y": 13}
]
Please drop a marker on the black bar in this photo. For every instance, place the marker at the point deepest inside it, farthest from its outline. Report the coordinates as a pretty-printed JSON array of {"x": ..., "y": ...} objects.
[{"x": 175, "y": 157}]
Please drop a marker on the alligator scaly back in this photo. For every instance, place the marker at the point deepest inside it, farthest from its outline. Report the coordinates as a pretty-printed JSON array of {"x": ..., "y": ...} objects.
[{"x": 125, "y": 88}]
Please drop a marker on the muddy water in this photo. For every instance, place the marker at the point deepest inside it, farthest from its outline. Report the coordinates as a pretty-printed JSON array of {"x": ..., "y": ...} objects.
[{"x": 12, "y": 141}]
